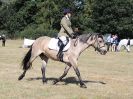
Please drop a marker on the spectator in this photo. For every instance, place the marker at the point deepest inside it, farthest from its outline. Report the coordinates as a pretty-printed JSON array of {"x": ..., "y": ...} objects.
[
  {"x": 108, "y": 42},
  {"x": 114, "y": 42},
  {"x": 112, "y": 39},
  {"x": 128, "y": 45},
  {"x": 3, "y": 38}
]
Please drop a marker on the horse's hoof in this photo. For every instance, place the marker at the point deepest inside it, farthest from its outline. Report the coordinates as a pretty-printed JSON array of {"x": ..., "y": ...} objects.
[
  {"x": 55, "y": 82},
  {"x": 20, "y": 77},
  {"x": 44, "y": 81},
  {"x": 83, "y": 86}
]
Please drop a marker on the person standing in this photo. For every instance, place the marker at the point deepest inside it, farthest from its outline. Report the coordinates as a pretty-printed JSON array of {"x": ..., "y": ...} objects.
[
  {"x": 113, "y": 43},
  {"x": 3, "y": 37},
  {"x": 108, "y": 42},
  {"x": 116, "y": 42},
  {"x": 128, "y": 45}
]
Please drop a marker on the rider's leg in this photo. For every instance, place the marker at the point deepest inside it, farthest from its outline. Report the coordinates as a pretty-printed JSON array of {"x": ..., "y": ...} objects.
[{"x": 60, "y": 50}]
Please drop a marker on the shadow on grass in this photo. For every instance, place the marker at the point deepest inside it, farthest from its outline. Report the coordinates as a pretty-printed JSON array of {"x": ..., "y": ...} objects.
[{"x": 67, "y": 80}]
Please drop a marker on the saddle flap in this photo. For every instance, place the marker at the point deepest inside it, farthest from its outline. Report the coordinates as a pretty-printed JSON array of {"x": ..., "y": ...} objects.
[{"x": 54, "y": 43}]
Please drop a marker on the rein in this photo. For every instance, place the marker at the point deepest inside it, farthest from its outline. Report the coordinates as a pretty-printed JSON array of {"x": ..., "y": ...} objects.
[
  {"x": 77, "y": 38},
  {"x": 75, "y": 43}
]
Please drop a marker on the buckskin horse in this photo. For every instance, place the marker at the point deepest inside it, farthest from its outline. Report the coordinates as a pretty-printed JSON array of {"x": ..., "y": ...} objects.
[{"x": 70, "y": 58}]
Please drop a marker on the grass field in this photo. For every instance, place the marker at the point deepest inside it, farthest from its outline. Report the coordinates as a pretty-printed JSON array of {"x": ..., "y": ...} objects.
[{"x": 114, "y": 69}]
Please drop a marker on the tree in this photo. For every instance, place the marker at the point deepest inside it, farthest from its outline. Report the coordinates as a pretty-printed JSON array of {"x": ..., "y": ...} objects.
[
  {"x": 15, "y": 17},
  {"x": 113, "y": 16},
  {"x": 34, "y": 18}
]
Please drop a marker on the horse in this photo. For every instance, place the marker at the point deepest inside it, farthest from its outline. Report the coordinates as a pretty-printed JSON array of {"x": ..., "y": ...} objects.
[
  {"x": 124, "y": 42},
  {"x": 70, "y": 58}
]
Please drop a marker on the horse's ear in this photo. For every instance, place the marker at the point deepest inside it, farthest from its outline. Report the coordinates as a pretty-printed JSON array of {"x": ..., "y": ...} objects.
[
  {"x": 91, "y": 38},
  {"x": 100, "y": 35},
  {"x": 76, "y": 42}
]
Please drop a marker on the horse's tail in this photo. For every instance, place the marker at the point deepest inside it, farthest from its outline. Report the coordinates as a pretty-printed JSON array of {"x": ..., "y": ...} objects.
[{"x": 25, "y": 62}]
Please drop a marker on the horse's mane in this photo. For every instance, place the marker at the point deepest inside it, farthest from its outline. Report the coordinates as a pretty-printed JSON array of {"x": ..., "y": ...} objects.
[{"x": 84, "y": 37}]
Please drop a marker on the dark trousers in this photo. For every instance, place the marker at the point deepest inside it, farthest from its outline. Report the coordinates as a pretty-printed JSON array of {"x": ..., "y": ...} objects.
[
  {"x": 108, "y": 45},
  {"x": 3, "y": 43},
  {"x": 61, "y": 46},
  {"x": 60, "y": 53}
]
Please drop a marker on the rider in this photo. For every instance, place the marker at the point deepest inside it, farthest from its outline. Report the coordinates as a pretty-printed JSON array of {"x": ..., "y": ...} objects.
[{"x": 66, "y": 30}]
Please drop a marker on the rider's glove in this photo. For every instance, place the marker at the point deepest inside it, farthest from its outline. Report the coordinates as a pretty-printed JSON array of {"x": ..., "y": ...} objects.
[{"x": 73, "y": 35}]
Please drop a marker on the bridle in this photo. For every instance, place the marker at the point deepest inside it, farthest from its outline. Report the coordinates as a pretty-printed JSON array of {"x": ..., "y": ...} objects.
[{"x": 98, "y": 47}]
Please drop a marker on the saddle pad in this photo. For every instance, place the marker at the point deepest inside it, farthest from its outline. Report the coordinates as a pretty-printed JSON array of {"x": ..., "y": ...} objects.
[{"x": 53, "y": 44}]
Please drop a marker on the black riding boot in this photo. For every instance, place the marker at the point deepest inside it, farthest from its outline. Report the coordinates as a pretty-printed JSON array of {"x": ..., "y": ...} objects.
[{"x": 60, "y": 53}]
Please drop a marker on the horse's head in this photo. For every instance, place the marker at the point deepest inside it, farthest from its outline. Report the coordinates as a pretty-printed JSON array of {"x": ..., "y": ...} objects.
[{"x": 97, "y": 41}]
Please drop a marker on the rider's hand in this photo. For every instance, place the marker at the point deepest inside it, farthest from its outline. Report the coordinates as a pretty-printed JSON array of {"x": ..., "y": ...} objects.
[{"x": 73, "y": 36}]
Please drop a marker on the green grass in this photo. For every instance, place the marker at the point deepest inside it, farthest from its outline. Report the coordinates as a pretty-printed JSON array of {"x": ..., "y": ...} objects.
[{"x": 115, "y": 69}]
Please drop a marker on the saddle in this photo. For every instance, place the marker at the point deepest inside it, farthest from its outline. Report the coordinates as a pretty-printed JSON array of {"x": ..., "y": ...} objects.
[{"x": 55, "y": 43}]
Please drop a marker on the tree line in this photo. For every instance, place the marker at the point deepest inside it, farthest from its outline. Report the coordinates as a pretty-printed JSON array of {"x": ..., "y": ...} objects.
[{"x": 35, "y": 18}]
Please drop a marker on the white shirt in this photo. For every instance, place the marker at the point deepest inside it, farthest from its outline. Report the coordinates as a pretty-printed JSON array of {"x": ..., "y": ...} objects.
[{"x": 109, "y": 39}]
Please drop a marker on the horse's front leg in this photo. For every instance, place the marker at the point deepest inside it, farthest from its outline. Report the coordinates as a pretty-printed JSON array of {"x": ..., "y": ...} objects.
[
  {"x": 74, "y": 65},
  {"x": 64, "y": 74},
  {"x": 22, "y": 75},
  {"x": 79, "y": 77}
]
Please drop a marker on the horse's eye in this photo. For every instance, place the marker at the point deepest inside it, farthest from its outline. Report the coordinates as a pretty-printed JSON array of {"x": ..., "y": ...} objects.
[{"x": 100, "y": 41}]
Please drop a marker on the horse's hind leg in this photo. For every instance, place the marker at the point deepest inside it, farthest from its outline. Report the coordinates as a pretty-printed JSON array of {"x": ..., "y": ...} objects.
[
  {"x": 27, "y": 61},
  {"x": 64, "y": 74},
  {"x": 43, "y": 68},
  {"x": 28, "y": 65}
]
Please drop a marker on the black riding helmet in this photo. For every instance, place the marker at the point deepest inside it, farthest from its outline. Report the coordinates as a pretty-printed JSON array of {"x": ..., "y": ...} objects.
[{"x": 65, "y": 11}]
